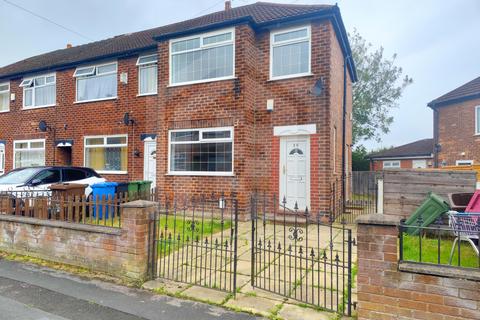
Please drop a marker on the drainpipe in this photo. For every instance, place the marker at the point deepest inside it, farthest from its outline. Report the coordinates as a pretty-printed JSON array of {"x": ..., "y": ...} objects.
[
  {"x": 344, "y": 132},
  {"x": 435, "y": 138}
]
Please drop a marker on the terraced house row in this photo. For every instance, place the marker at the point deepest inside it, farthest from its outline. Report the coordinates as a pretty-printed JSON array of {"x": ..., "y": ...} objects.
[{"x": 251, "y": 98}]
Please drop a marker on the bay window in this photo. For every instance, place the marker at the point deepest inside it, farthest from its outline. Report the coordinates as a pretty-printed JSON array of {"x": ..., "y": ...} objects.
[
  {"x": 96, "y": 82},
  {"x": 4, "y": 97},
  {"x": 28, "y": 153},
  {"x": 147, "y": 74},
  {"x": 39, "y": 91},
  {"x": 290, "y": 53},
  {"x": 202, "y": 58},
  {"x": 201, "y": 151},
  {"x": 107, "y": 154}
]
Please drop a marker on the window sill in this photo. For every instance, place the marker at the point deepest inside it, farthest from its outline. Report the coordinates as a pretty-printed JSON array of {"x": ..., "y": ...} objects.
[
  {"x": 147, "y": 94},
  {"x": 202, "y": 174},
  {"x": 39, "y": 107},
  {"x": 95, "y": 100},
  {"x": 200, "y": 81},
  {"x": 111, "y": 172},
  {"x": 5, "y": 111},
  {"x": 293, "y": 76}
]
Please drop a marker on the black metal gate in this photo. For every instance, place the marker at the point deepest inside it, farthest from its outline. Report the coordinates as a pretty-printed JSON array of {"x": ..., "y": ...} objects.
[
  {"x": 195, "y": 242},
  {"x": 301, "y": 256}
]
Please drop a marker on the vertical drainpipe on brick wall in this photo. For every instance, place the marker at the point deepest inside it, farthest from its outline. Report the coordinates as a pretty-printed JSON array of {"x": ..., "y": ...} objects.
[{"x": 344, "y": 131}]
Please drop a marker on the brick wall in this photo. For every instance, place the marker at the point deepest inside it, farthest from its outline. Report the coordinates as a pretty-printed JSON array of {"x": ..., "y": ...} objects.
[
  {"x": 385, "y": 292},
  {"x": 377, "y": 165},
  {"x": 456, "y": 133},
  {"x": 121, "y": 252}
]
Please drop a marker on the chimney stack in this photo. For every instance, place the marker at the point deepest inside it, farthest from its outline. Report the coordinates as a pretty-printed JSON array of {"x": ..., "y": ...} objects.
[
  {"x": 228, "y": 5},
  {"x": 69, "y": 45}
]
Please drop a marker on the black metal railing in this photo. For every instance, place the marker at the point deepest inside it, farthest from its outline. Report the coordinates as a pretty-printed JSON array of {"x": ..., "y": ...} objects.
[
  {"x": 301, "y": 255},
  {"x": 456, "y": 244},
  {"x": 195, "y": 242}
]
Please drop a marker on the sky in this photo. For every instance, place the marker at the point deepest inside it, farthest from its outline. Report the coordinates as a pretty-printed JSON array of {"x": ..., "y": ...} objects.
[{"x": 436, "y": 41}]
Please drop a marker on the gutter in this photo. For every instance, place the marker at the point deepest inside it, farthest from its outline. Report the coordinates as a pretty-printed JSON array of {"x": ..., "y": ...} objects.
[{"x": 434, "y": 104}]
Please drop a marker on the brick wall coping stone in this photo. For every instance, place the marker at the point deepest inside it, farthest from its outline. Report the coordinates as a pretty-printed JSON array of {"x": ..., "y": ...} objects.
[
  {"x": 139, "y": 204},
  {"x": 62, "y": 224},
  {"x": 378, "y": 220},
  {"x": 442, "y": 271}
]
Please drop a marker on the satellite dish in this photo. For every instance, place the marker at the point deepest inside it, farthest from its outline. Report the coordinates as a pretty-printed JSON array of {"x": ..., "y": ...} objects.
[
  {"x": 317, "y": 89},
  {"x": 42, "y": 126}
]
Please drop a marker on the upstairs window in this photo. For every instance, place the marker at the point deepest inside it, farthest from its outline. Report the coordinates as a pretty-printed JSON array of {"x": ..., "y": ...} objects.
[
  {"x": 202, "y": 58},
  {"x": 147, "y": 74},
  {"x": 96, "y": 82},
  {"x": 39, "y": 91},
  {"x": 4, "y": 97},
  {"x": 201, "y": 151},
  {"x": 290, "y": 53}
]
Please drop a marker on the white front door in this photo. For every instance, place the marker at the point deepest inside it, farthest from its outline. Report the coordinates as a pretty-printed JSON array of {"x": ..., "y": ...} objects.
[
  {"x": 295, "y": 171},
  {"x": 2, "y": 159},
  {"x": 150, "y": 165}
]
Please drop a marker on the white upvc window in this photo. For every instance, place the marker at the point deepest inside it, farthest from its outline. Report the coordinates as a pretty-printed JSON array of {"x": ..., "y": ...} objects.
[
  {"x": 290, "y": 53},
  {"x": 2, "y": 158},
  {"x": 28, "y": 153},
  {"x": 477, "y": 120},
  {"x": 391, "y": 164},
  {"x": 464, "y": 162},
  {"x": 201, "y": 58},
  {"x": 97, "y": 82},
  {"x": 107, "y": 154},
  {"x": 39, "y": 92},
  {"x": 147, "y": 74},
  {"x": 4, "y": 97},
  {"x": 207, "y": 151}
]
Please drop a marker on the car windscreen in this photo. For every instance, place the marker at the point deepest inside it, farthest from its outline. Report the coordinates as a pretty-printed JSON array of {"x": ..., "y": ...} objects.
[{"x": 18, "y": 176}]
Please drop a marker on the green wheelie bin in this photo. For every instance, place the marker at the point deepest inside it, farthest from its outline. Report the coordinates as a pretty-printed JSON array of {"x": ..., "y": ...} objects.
[{"x": 430, "y": 210}]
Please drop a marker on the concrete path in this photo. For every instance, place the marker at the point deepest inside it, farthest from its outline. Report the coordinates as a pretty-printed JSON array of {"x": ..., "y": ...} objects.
[{"x": 36, "y": 293}]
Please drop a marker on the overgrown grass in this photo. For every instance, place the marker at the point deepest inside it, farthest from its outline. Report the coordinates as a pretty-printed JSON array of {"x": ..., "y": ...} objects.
[
  {"x": 176, "y": 233},
  {"x": 411, "y": 251}
]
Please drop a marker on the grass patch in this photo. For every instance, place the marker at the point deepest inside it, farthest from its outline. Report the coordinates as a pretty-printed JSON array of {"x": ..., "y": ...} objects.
[
  {"x": 175, "y": 233},
  {"x": 411, "y": 251}
]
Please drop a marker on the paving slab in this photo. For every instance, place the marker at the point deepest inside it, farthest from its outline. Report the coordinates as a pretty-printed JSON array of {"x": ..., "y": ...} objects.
[
  {"x": 293, "y": 312},
  {"x": 205, "y": 294},
  {"x": 171, "y": 287},
  {"x": 253, "y": 303}
]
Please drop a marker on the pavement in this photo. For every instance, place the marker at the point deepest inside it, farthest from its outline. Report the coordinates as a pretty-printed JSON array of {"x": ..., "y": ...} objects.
[{"x": 30, "y": 292}]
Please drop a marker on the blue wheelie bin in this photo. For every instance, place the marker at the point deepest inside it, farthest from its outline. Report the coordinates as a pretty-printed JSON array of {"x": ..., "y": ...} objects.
[{"x": 101, "y": 192}]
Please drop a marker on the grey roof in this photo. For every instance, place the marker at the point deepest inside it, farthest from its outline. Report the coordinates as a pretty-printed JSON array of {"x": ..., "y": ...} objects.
[
  {"x": 468, "y": 91},
  {"x": 418, "y": 148},
  {"x": 258, "y": 14}
]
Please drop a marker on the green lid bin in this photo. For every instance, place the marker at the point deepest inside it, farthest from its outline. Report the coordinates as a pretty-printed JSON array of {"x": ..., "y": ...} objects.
[
  {"x": 133, "y": 187},
  {"x": 144, "y": 188},
  {"x": 430, "y": 210}
]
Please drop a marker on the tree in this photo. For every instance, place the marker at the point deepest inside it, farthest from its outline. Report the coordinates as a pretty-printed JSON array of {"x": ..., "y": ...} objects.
[
  {"x": 359, "y": 160},
  {"x": 377, "y": 90}
]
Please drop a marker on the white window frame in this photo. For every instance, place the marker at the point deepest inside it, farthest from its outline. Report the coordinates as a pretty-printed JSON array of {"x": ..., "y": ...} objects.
[
  {"x": 477, "y": 125},
  {"x": 2, "y": 158},
  {"x": 105, "y": 145},
  {"x": 391, "y": 164},
  {"x": 94, "y": 74},
  {"x": 202, "y": 47},
  {"x": 272, "y": 45},
  {"x": 28, "y": 149},
  {"x": 464, "y": 163},
  {"x": 201, "y": 130},
  {"x": 8, "y": 95},
  {"x": 27, "y": 84},
  {"x": 142, "y": 65}
]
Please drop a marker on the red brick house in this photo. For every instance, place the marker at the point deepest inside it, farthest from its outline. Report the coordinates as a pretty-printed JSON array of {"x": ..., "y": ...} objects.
[
  {"x": 256, "y": 97},
  {"x": 456, "y": 126},
  {"x": 414, "y": 155}
]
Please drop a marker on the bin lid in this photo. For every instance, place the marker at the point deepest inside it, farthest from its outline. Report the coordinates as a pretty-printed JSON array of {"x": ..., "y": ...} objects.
[
  {"x": 121, "y": 184},
  {"x": 104, "y": 185},
  {"x": 67, "y": 186}
]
